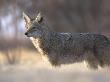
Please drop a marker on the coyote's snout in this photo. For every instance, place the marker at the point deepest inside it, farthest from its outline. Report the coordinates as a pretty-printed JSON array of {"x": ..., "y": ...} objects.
[{"x": 66, "y": 48}]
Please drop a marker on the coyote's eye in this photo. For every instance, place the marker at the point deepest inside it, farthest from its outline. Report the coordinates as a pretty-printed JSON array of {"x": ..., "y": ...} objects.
[{"x": 33, "y": 27}]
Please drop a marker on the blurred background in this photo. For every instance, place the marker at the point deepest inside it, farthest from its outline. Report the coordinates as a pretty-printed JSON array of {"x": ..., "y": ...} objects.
[{"x": 17, "y": 51}]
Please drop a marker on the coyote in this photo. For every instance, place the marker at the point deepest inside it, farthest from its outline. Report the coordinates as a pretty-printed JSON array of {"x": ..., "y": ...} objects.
[{"x": 67, "y": 48}]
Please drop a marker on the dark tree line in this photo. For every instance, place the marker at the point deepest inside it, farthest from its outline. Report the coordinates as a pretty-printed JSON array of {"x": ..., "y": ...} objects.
[{"x": 64, "y": 15}]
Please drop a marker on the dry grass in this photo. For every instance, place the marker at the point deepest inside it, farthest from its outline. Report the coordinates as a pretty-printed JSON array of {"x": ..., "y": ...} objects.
[
  {"x": 22, "y": 54},
  {"x": 31, "y": 68}
]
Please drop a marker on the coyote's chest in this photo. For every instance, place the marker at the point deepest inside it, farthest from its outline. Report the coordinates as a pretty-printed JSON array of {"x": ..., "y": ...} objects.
[
  {"x": 37, "y": 44},
  {"x": 39, "y": 47}
]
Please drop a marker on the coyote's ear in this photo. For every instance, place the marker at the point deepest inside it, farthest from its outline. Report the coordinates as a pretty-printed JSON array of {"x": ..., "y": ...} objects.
[
  {"x": 26, "y": 18},
  {"x": 39, "y": 18}
]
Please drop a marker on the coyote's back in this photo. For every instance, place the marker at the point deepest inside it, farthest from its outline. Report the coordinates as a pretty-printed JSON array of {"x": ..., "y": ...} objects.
[{"x": 66, "y": 48}]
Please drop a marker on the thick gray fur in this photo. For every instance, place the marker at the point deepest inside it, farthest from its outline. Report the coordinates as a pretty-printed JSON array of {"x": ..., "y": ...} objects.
[{"x": 68, "y": 48}]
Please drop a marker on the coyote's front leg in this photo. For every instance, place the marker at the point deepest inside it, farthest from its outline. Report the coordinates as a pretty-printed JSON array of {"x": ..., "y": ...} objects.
[
  {"x": 53, "y": 58},
  {"x": 92, "y": 61}
]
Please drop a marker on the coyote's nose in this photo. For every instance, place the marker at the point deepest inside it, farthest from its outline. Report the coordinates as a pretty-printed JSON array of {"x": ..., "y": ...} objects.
[{"x": 26, "y": 33}]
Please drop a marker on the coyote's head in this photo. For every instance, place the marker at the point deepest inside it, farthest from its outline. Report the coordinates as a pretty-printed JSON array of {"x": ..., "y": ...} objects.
[{"x": 35, "y": 27}]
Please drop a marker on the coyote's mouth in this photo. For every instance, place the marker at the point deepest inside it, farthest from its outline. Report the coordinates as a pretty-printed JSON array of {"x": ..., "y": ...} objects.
[{"x": 27, "y": 34}]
